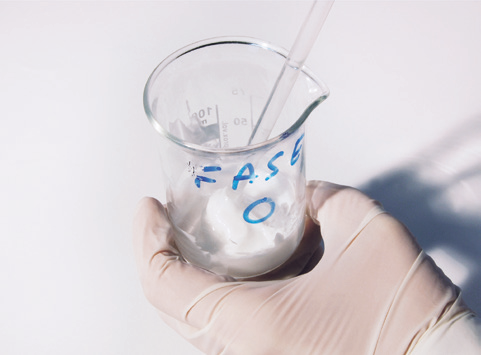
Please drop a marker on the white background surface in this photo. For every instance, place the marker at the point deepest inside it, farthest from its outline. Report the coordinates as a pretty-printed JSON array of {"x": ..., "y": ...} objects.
[{"x": 403, "y": 122}]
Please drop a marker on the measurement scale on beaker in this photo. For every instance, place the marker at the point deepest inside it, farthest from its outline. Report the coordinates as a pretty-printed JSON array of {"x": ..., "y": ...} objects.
[{"x": 231, "y": 130}]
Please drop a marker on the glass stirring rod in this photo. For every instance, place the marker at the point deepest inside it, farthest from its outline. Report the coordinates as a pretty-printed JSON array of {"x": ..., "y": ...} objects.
[{"x": 290, "y": 71}]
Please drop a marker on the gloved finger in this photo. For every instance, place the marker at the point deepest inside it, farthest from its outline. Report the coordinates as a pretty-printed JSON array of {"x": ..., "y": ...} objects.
[
  {"x": 170, "y": 284},
  {"x": 341, "y": 211}
]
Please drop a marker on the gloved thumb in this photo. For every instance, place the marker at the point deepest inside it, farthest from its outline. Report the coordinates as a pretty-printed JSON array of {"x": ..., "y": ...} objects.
[{"x": 170, "y": 284}]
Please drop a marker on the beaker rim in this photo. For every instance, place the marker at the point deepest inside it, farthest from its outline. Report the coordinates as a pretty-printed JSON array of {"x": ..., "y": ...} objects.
[{"x": 230, "y": 40}]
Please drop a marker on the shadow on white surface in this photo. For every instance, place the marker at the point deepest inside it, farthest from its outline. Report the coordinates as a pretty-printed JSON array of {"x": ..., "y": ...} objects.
[{"x": 437, "y": 195}]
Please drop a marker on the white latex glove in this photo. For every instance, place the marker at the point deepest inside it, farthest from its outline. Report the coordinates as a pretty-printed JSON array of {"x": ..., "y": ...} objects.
[{"x": 373, "y": 292}]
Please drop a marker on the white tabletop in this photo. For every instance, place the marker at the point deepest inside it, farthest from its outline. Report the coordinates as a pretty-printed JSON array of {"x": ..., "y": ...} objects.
[{"x": 403, "y": 123}]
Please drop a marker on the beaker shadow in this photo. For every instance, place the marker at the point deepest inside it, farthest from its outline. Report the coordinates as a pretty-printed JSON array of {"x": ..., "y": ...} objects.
[{"x": 437, "y": 195}]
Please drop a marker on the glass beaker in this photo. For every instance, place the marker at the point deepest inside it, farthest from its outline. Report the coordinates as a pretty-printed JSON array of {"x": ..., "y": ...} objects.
[{"x": 237, "y": 209}]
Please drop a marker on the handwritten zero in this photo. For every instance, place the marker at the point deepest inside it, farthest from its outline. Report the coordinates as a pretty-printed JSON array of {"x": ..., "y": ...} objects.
[{"x": 250, "y": 175}]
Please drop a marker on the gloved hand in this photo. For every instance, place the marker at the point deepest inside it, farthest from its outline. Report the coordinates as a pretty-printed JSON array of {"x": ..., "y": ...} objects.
[{"x": 374, "y": 291}]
